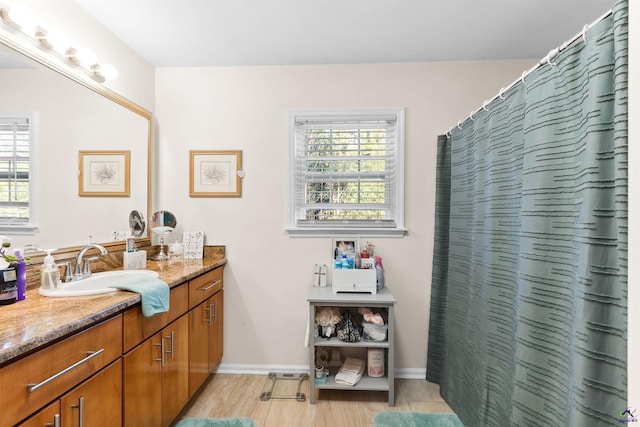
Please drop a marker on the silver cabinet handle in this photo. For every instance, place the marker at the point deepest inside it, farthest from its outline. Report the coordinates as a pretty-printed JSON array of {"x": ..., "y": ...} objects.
[
  {"x": 210, "y": 286},
  {"x": 80, "y": 407},
  {"x": 56, "y": 421},
  {"x": 208, "y": 318},
  {"x": 171, "y": 337},
  {"x": 33, "y": 387},
  {"x": 161, "y": 345},
  {"x": 212, "y": 313}
]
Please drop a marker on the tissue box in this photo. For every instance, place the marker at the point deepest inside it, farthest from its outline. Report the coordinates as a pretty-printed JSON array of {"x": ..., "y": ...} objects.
[
  {"x": 135, "y": 260},
  {"x": 354, "y": 280}
]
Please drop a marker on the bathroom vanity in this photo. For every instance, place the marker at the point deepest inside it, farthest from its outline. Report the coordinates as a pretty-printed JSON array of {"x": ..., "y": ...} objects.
[{"x": 97, "y": 361}]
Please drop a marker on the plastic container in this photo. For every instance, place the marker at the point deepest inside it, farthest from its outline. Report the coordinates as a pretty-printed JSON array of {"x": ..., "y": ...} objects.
[
  {"x": 21, "y": 271},
  {"x": 50, "y": 276},
  {"x": 375, "y": 362},
  {"x": 371, "y": 332}
]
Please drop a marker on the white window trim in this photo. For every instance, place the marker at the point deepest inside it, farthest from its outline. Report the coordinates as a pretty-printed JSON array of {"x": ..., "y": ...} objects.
[
  {"x": 31, "y": 227},
  {"x": 326, "y": 231}
]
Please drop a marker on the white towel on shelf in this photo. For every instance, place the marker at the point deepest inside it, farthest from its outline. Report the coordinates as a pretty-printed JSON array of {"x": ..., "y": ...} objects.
[{"x": 350, "y": 372}]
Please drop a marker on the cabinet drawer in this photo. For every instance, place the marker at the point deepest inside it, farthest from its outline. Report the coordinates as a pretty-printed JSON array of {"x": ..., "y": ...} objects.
[
  {"x": 202, "y": 287},
  {"x": 38, "y": 379},
  {"x": 137, "y": 328}
]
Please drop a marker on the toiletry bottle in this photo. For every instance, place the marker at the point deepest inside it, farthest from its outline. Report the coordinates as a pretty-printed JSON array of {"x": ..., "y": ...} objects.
[
  {"x": 21, "y": 271},
  {"x": 50, "y": 274},
  {"x": 379, "y": 273},
  {"x": 345, "y": 261}
]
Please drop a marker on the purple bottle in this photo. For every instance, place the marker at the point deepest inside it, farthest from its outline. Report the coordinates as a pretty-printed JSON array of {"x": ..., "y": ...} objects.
[{"x": 21, "y": 271}]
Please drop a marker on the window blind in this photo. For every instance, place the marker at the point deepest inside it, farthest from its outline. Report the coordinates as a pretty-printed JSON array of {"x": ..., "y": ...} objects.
[
  {"x": 346, "y": 171},
  {"x": 14, "y": 169}
]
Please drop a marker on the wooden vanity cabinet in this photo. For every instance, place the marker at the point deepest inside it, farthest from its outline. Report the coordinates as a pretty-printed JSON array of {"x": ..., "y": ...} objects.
[
  {"x": 205, "y": 327},
  {"x": 156, "y": 377},
  {"x": 129, "y": 370},
  {"x": 42, "y": 377}
]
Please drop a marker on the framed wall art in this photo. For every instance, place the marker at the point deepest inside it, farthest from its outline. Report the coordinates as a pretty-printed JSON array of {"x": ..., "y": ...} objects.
[
  {"x": 215, "y": 173},
  {"x": 104, "y": 173}
]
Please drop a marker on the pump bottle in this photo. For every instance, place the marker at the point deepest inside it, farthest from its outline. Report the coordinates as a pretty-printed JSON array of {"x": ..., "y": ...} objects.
[{"x": 50, "y": 274}]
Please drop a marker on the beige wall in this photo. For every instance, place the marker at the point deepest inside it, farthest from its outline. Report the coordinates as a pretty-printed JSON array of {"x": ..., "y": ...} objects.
[{"x": 268, "y": 274}]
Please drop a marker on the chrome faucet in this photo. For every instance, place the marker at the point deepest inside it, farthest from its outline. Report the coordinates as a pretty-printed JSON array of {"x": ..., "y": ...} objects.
[{"x": 83, "y": 270}]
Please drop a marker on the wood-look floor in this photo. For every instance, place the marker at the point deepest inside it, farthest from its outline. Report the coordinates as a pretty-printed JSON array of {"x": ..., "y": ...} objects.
[{"x": 227, "y": 395}]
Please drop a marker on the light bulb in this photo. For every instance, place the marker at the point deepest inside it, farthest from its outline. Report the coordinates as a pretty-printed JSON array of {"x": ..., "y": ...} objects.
[
  {"x": 86, "y": 57},
  {"x": 58, "y": 40},
  {"x": 109, "y": 72},
  {"x": 20, "y": 16}
]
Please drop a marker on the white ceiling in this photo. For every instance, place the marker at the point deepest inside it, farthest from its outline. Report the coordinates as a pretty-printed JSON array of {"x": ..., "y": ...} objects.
[{"x": 284, "y": 32}]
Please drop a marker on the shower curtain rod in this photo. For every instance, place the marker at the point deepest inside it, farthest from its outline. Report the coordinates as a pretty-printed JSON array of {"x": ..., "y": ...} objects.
[{"x": 546, "y": 60}]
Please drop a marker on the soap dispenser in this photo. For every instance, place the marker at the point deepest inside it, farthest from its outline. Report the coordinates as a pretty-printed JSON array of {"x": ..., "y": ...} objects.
[{"x": 50, "y": 273}]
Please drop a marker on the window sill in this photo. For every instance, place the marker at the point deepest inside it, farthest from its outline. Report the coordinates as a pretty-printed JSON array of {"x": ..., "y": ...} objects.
[
  {"x": 328, "y": 232},
  {"x": 18, "y": 229}
]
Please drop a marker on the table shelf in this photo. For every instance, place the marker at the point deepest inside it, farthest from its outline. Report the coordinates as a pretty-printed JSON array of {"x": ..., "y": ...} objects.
[{"x": 383, "y": 299}]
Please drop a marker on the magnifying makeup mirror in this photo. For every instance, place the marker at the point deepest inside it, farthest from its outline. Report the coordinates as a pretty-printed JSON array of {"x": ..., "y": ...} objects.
[{"x": 161, "y": 223}]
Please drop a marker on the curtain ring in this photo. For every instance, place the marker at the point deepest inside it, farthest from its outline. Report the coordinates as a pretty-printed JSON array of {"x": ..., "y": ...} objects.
[
  {"x": 484, "y": 105},
  {"x": 524, "y": 74},
  {"x": 500, "y": 94},
  {"x": 584, "y": 33},
  {"x": 471, "y": 117},
  {"x": 459, "y": 123},
  {"x": 553, "y": 64}
]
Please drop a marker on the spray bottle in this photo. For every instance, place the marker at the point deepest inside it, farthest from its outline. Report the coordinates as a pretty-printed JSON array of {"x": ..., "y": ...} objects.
[{"x": 379, "y": 272}]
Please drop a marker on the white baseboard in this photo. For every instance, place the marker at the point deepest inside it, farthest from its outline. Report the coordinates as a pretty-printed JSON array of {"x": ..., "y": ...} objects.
[{"x": 238, "y": 368}]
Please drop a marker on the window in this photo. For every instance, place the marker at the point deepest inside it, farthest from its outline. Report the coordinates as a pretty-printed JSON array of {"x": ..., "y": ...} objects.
[
  {"x": 15, "y": 171},
  {"x": 347, "y": 172}
]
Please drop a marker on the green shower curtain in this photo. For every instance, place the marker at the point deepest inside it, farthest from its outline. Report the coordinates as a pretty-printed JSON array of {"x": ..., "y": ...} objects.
[{"x": 529, "y": 287}]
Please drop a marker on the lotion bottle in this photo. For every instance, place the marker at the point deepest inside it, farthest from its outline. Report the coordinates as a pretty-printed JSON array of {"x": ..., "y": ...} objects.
[
  {"x": 50, "y": 274},
  {"x": 21, "y": 270}
]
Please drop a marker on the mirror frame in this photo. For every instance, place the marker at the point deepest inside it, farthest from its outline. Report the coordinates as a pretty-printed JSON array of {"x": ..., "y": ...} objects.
[{"x": 33, "y": 50}]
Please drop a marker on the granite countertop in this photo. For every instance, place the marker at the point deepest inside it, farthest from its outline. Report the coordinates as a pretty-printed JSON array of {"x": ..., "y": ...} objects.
[{"x": 37, "y": 321}]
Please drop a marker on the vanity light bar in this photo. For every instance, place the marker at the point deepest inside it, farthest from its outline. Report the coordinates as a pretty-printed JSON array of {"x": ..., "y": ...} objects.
[{"x": 82, "y": 58}]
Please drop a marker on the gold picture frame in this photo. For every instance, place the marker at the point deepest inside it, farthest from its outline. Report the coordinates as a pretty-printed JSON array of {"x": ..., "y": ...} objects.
[
  {"x": 215, "y": 173},
  {"x": 104, "y": 173}
]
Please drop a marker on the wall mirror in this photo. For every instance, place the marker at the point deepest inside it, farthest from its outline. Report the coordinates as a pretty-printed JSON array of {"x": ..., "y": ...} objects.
[{"x": 71, "y": 115}]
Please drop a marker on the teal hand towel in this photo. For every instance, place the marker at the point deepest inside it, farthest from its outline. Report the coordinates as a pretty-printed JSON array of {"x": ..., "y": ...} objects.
[{"x": 154, "y": 294}]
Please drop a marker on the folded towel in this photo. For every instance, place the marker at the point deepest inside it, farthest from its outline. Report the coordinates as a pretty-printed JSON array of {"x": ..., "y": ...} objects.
[
  {"x": 350, "y": 372},
  {"x": 154, "y": 294}
]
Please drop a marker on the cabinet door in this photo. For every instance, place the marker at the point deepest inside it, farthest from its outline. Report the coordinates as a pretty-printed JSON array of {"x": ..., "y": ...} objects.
[
  {"x": 45, "y": 418},
  {"x": 96, "y": 402},
  {"x": 216, "y": 307},
  {"x": 40, "y": 378},
  {"x": 175, "y": 374},
  {"x": 142, "y": 384},
  {"x": 199, "y": 319}
]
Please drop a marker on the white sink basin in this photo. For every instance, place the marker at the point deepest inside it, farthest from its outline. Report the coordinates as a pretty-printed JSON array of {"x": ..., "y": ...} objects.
[{"x": 97, "y": 283}]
